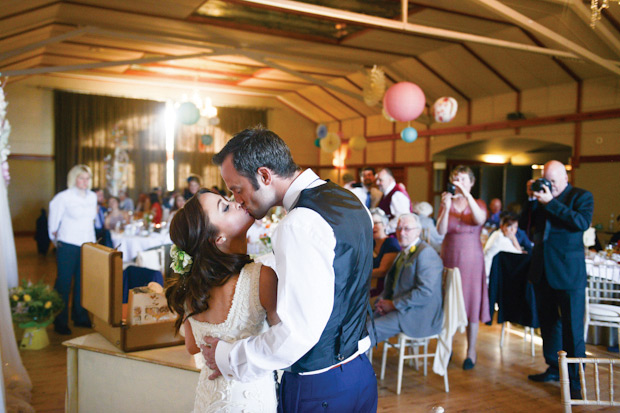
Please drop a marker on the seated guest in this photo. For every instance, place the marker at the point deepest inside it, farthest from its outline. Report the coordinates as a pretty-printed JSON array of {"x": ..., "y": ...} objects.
[
  {"x": 495, "y": 207},
  {"x": 516, "y": 209},
  {"x": 193, "y": 185},
  {"x": 395, "y": 201},
  {"x": 143, "y": 203},
  {"x": 179, "y": 202},
  {"x": 126, "y": 203},
  {"x": 502, "y": 240},
  {"x": 412, "y": 299},
  {"x": 384, "y": 252},
  {"x": 155, "y": 209},
  {"x": 429, "y": 229},
  {"x": 116, "y": 216},
  {"x": 101, "y": 212}
]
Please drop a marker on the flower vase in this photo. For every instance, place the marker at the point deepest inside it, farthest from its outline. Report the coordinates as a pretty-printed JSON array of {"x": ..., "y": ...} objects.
[{"x": 35, "y": 335}]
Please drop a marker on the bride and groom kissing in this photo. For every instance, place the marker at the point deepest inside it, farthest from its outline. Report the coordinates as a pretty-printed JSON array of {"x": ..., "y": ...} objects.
[{"x": 309, "y": 320}]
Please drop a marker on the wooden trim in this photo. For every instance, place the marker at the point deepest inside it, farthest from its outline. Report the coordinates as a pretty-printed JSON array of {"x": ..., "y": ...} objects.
[
  {"x": 30, "y": 157},
  {"x": 23, "y": 233},
  {"x": 599, "y": 158}
]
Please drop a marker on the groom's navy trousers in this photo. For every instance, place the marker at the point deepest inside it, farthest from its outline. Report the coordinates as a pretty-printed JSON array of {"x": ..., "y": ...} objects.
[{"x": 351, "y": 387}]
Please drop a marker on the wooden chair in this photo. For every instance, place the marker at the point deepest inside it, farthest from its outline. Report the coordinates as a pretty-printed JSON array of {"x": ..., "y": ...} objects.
[
  {"x": 602, "y": 298},
  {"x": 608, "y": 396}
]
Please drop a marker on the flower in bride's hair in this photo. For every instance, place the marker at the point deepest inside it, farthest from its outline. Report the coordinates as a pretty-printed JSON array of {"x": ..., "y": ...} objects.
[{"x": 181, "y": 260}]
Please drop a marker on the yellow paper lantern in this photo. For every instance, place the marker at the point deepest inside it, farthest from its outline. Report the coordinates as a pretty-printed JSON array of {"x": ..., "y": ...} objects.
[
  {"x": 330, "y": 143},
  {"x": 357, "y": 143}
]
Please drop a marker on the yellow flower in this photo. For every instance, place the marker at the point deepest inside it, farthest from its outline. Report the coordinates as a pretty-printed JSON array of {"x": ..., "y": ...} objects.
[
  {"x": 48, "y": 304},
  {"x": 15, "y": 297},
  {"x": 27, "y": 298}
]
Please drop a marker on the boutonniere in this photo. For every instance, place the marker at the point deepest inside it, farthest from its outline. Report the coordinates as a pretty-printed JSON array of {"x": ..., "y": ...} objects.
[{"x": 412, "y": 249}]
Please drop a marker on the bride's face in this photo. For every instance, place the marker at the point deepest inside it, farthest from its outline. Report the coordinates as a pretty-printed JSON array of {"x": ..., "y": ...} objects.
[{"x": 231, "y": 220}]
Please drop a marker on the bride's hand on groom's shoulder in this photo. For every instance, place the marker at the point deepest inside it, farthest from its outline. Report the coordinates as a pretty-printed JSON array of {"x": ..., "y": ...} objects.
[{"x": 208, "y": 352}]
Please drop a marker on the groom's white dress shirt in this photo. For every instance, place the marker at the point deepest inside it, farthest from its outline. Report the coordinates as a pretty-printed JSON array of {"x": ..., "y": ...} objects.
[{"x": 303, "y": 244}]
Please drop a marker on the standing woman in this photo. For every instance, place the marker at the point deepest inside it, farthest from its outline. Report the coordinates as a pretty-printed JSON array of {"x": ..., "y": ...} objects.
[
  {"x": 460, "y": 219},
  {"x": 70, "y": 224}
]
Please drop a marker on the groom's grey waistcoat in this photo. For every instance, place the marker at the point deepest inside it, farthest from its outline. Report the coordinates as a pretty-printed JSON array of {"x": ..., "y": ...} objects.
[{"x": 352, "y": 266}]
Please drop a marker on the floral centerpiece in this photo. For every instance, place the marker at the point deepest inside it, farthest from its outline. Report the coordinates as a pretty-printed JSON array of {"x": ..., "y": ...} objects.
[{"x": 34, "y": 305}]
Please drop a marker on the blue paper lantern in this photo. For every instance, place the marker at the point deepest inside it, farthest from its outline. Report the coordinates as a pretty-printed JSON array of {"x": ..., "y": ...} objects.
[
  {"x": 321, "y": 131},
  {"x": 188, "y": 113},
  {"x": 206, "y": 139},
  {"x": 409, "y": 134}
]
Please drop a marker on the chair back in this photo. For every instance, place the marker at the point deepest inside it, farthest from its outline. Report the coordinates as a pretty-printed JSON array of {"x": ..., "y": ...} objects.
[
  {"x": 600, "y": 382},
  {"x": 154, "y": 259}
]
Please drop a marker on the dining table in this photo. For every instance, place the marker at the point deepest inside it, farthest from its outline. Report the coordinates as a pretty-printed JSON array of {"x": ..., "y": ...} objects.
[{"x": 130, "y": 244}]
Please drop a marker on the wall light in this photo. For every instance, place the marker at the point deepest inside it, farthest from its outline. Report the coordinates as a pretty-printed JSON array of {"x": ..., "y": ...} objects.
[{"x": 489, "y": 158}]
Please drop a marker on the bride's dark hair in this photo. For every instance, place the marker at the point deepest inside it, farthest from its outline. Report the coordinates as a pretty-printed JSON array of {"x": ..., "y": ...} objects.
[{"x": 192, "y": 232}]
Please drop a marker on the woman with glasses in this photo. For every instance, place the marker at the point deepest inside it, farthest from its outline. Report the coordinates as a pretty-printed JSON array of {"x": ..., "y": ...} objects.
[
  {"x": 461, "y": 218},
  {"x": 385, "y": 250}
]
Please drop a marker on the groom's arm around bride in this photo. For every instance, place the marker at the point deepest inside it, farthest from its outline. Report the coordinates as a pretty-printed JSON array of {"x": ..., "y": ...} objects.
[{"x": 323, "y": 251}]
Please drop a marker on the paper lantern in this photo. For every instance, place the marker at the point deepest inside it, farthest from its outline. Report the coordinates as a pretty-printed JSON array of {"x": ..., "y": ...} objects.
[
  {"x": 409, "y": 134},
  {"x": 404, "y": 101},
  {"x": 321, "y": 131},
  {"x": 188, "y": 113},
  {"x": 330, "y": 143},
  {"x": 387, "y": 115},
  {"x": 317, "y": 142},
  {"x": 214, "y": 121},
  {"x": 206, "y": 139},
  {"x": 357, "y": 143},
  {"x": 444, "y": 109}
]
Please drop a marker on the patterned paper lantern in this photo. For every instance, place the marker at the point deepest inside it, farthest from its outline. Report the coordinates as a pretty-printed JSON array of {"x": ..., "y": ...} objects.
[
  {"x": 444, "y": 109},
  {"x": 357, "y": 143},
  {"x": 404, "y": 101},
  {"x": 330, "y": 143},
  {"x": 409, "y": 134}
]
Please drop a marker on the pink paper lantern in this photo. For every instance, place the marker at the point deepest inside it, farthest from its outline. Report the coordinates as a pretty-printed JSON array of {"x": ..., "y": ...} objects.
[{"x": 404, "y": 101}]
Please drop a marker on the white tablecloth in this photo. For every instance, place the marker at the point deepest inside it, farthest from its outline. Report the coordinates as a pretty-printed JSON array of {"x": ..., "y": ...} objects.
[
  {"x": 603, "y": 268},
  {"x": 130, "y": 245}
]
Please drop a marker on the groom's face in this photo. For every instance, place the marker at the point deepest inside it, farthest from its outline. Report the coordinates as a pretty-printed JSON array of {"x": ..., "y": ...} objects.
[{"x": 255, "y": 201}]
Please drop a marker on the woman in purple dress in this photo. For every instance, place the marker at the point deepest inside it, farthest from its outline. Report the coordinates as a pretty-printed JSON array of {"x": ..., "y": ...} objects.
[{"x": 460, "y": 219}]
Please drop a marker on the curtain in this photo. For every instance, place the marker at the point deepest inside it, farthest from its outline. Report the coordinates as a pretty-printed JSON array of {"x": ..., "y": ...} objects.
[
  {"x": 15, "y": 382},
  {"x": 89, "y": 128}
]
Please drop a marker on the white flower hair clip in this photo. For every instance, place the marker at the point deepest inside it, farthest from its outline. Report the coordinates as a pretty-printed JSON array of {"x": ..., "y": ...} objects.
[{"x": 181, "y": 260}]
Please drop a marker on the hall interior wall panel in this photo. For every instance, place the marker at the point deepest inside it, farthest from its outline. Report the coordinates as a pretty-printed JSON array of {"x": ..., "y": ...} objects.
[
  {"x": 410, "y": 151},
  {"x": 331, "y": 174},
  {"x": 443, "y": 142},
  {"x": 562, "y": 133},
  {"x": 550, "y": 100},
  {"x": 30, "y": 110},
  {"x": 355, "y": 158},
  {"x": 608, "y": 130},
  {"x": 297, "y": 132},
  {"x": 601, "y": 94},
  {"x": 325, "y": 159},
  {"x": 300, "y": 105},
  {"x": 379, "y": 153},
  {"x": 464, "y": 71},
  {"x": 331, "y": 104},
  {"x": 353, "y": 127},
  {"x": 378, "y": 125},
  {"x": 491, "y": 108},
  {"x": 359, "y": 105},
  {"x": 601, "y": 179},
  {"x": 417, "y": 183},
  {"x": 31, "y": 188}
]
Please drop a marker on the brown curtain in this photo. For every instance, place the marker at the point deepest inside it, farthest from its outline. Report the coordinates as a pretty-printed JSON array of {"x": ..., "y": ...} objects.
[
  {"x": 88, "y": 128},
  {"x": 196, "y": 144}
]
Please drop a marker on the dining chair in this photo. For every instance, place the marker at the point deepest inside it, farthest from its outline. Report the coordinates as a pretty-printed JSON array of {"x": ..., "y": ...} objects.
[
  {"x": 602, "y": 298},
  {"x": 601, "y": 381},
  {"x": 154, "y": 259}
]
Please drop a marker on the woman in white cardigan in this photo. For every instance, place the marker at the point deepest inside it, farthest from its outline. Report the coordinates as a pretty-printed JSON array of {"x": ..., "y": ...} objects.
[{"x": 502, "y": 240}]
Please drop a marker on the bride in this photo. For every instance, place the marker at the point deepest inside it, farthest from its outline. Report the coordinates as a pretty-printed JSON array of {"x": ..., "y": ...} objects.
[{"x": 220, "y": 292}]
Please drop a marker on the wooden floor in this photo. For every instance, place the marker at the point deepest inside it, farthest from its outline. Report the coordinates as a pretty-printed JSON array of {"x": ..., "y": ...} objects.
[{"x": 498, "y": 383}]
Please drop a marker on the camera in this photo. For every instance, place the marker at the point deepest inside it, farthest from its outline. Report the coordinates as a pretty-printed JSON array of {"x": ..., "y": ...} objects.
[
  {"x": 451, "y": 188},
  {"x": 538, "y": 184}
]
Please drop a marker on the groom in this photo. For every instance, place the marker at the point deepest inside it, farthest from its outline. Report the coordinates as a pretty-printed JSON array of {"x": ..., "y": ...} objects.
[{"x": 323, "y": 251}]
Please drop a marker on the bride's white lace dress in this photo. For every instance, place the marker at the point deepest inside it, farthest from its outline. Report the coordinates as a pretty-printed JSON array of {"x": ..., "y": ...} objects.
[{"x": 246, "y": 318}]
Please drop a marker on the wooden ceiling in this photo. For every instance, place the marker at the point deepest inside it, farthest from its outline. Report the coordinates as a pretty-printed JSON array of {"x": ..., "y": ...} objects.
[{"x": 310, "y": 56}]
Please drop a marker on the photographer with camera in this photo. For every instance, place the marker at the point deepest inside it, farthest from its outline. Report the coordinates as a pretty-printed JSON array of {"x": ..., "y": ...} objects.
[
  {"x": 461, "y": 217},
  {"x": 559, "y": 217}
]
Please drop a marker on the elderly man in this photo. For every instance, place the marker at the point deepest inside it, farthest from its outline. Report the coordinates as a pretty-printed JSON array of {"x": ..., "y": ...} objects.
[
  {"x": 395, "y": 201},
  {"x": 558, "y": 269},
  {"x": 412, "y": 301},
  {"x": 368, "y": 193}
]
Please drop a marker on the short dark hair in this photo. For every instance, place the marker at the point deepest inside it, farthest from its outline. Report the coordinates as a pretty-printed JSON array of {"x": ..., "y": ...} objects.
[
  {"x": 258, "y": 147},
  {"x": 368, "y": 168},
  {"x": 507, "y": 218},
  {"x": 194, "y": 178}
]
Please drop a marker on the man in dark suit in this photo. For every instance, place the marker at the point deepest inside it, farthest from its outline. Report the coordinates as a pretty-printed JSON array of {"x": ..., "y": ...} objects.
[
  {"x": 558, "y": 269},
  {"x": 412, "y": 300}
]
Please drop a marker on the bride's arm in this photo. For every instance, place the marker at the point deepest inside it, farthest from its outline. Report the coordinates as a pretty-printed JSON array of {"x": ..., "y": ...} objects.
[
  {"x": 190, "y": 343},
  {"x": 268, "y": 292}
]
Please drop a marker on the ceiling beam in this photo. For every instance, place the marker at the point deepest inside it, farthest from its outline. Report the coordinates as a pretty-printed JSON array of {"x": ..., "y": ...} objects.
[
  {"x": 600, "y": 30},
  {"x": 55, "y": 39},
  {"x": 530, "y": 25},
  {"x": 427, "y": 31}
]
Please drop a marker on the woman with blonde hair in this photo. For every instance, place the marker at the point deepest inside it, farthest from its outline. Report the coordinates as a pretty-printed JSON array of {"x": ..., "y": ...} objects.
[{"x": 70, "y": 224}]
